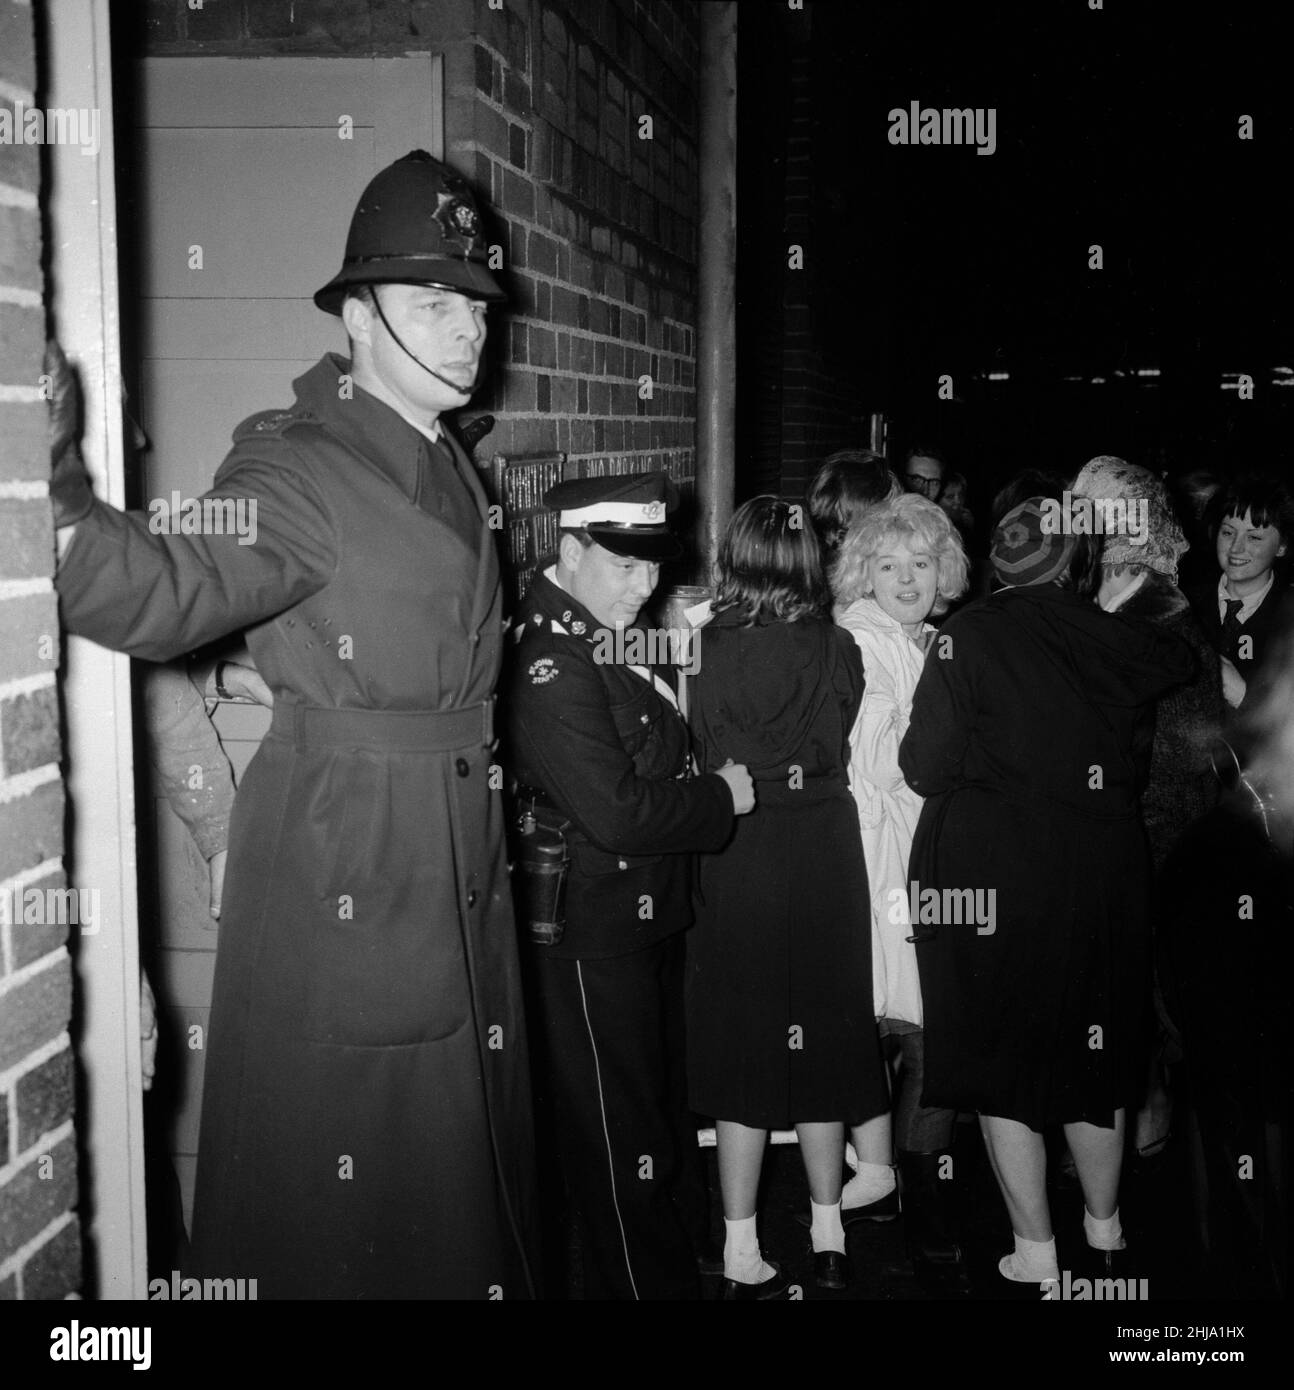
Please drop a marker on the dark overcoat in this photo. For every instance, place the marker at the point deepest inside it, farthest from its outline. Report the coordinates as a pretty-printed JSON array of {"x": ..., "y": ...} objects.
[
  {"x": 366, "y": 1124},
  {"x": 1022, "y": 743},
  {"x": 779, "y": 996}
]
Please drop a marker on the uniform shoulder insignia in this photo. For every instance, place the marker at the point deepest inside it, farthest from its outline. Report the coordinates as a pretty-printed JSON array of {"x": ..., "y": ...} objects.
[
  {"x": 543, "y": 671},
  {"x": 268, "y": 423}
]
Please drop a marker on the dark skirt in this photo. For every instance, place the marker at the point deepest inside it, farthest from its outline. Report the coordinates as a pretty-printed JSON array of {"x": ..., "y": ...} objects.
[
  {"x": 1044, "y": 1018},
  {"x": 779, "y": 997}
]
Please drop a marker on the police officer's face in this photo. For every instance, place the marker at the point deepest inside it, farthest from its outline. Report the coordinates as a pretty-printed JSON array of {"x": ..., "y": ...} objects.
[
  {"x": 612, "y": 587},
  {"x": 443, "y": 329}
]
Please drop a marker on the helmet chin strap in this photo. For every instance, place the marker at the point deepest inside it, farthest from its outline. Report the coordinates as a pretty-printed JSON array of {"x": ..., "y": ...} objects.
[{"x": 444, "y": 381}]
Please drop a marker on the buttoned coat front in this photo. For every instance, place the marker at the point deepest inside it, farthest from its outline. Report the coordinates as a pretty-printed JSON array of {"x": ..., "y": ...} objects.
[{"x": 366, "y": 1126}]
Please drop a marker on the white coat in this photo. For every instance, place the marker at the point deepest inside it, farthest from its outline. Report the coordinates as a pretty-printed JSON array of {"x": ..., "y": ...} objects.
[{"x": 887, "y": 807}]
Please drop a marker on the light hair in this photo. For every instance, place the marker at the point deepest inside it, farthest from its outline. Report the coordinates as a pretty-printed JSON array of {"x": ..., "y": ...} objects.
[{"x": 920, "y": 523}]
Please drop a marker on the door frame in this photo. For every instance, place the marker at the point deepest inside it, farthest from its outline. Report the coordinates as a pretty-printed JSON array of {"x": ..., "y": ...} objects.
[{"x": 99, "y": 755}]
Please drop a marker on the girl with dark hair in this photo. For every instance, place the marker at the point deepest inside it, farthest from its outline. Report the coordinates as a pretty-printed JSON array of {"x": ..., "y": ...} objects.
[
  {"x": 844, "y": 489},
  {"x": 780, "y": 1027},
  {"x": 1033, "y": 943},
  {"x": 1247, "y": 610}
]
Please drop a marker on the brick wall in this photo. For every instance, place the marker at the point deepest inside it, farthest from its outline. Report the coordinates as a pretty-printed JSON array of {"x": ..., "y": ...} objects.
[
  {"x": 547, "y": 110},
  {"x": 40, "y": 1246}
]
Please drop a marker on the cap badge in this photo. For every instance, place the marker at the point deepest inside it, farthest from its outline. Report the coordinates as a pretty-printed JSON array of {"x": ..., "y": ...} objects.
[{"x": 457, "y": 218}]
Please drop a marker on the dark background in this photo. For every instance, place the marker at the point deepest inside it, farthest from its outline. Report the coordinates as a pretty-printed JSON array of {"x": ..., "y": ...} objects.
[{"x": 1117, "y": 127}]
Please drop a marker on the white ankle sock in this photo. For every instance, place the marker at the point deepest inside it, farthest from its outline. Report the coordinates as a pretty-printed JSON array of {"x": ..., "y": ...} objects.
[
  {"x": 1031, "y": 1262},
  {"x": 742, "y": 1261},
  {"x": 825, "y": 1230},
  {"x": 1104, "y": 1233},
  {"x": 869, "y": 1184}
]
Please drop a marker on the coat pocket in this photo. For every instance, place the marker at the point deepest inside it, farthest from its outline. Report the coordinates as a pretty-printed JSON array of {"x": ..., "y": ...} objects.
[{"x": 382, "y": 958}]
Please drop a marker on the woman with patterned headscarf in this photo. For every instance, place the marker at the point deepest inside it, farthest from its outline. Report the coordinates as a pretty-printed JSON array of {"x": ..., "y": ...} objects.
[
  {"x": 1142, "y": 546},
  {"x": 1029, "y": 872}
]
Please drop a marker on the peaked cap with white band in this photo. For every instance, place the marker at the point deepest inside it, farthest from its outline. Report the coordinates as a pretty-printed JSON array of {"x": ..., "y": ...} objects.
[{"x": 627, "y": 515}]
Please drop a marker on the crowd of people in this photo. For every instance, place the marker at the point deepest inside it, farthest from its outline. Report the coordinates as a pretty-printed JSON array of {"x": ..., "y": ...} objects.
[{"x": 911, "y": 842}]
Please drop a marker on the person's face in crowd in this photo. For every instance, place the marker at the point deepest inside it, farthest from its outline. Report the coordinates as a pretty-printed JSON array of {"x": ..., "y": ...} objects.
[
  {"x": 953, "y": 496},
  {"x": 612, "y": 587},
  {"x": 924, "y": 475},
  {"x": 904, "y": 582},
  {"x": 442, "y": 328},
  {"x": 1246, "y": 553}
]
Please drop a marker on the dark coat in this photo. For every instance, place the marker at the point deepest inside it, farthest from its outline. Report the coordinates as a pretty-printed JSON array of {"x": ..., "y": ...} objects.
[
  {"x": 608, "y": 749},
  {"x": 1187, "y": 719},
  {"x": 784, "y": 932},
  {"x": 366, "y": 1126},
  {"x": 1021, "y": 740}
]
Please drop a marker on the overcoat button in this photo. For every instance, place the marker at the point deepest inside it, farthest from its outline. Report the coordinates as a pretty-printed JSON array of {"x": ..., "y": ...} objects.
[
  {"x": 622, "y": 864},
  {"x": 471, "y": 898},
  {"x": 462, "y": 767}
]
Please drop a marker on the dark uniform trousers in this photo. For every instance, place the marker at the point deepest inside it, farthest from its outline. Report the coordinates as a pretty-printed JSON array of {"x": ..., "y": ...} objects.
[{"x": 617, "y": 1098}]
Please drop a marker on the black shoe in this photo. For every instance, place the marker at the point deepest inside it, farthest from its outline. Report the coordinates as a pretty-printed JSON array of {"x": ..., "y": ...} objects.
[
  {"x": 773, "y": 1287},
  {"x": 831, "y": 1269},
  {"x": 882, "y": 1209},
  {"x": 1105, "y": 1264},
  {"x": 936, "y": 1256},
  {"x": 709, "y": 1257}
]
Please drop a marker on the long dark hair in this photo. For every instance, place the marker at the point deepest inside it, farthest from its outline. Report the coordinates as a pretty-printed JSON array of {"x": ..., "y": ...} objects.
[{"x": 769, "y": 567}]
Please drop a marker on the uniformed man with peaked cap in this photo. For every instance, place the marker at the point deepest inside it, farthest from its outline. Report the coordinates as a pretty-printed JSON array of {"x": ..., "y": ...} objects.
[
  {"x": 601, "y": 742},
  {"x": 366, "y": 1125}
]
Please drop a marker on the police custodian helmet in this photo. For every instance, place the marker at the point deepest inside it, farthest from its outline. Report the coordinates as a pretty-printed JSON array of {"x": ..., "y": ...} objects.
[
  {"x": 625, "y": 514},
  {"x": 416, "y": 223}
]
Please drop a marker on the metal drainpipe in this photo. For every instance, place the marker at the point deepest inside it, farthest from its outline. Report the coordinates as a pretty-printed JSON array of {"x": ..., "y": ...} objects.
[{"x": 716, "y": 338}]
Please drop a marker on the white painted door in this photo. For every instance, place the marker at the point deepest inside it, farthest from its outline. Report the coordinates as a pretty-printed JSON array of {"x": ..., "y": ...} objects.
[{"x": 246, "y": 174}]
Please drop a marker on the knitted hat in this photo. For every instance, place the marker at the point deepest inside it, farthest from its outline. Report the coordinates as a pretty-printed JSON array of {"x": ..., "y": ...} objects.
[
  {"x": 1024, "y": 551},
  {"x": 1143, "y": 531}
]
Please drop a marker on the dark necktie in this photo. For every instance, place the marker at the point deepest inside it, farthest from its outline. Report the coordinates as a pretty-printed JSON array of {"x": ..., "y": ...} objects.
[{"x": 1231, "y": 625}]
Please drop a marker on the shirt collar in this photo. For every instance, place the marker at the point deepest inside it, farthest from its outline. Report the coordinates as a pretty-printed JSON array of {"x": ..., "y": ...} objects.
[{"x": 1247, "y": 606}]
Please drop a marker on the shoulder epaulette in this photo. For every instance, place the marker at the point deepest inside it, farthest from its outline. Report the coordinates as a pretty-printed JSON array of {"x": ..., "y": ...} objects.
[{"x": 267, "y": 424}]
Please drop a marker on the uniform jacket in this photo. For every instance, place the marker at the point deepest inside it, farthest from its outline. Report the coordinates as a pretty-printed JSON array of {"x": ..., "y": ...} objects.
[
  {"x": 608, "y": 748},
  {"x": 366, "y": 1127},
  {"x": 888, "y": 809}
]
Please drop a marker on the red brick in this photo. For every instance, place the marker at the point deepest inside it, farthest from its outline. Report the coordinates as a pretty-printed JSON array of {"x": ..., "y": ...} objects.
[
  {"x": 26, "y": 538},
  {"x": 20, "y": 166},
  {"x": 29, "y": 1202},
  {"x": 31, "y": 831},
  {"x": 44, "y": 1097},
  {"x": 24, "y": 427},
  {"x": 28, "y": 942},
  {"x": 17, "y": 63},
  {"x": 29, "y": 727},
  {"x": 54, "y": 1270},
  {"x": 25, "y": 624},
  {"x": 19, "y": 248}
]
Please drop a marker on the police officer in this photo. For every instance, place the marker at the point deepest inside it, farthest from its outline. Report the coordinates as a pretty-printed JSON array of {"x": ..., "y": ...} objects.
[
  {"x": 598, "y": 738},
  {"x": 366, "y": 1127}
]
